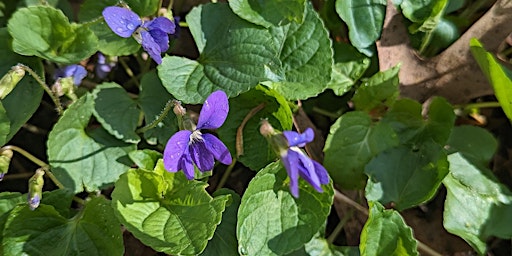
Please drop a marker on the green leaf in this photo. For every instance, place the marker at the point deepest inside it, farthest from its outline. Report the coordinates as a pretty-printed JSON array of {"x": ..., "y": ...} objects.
[
  {"x": 60, "y": 199},
  {"x": 145, "y": 158},
  {"x": 364, "y": 19},
  {"x": 268, "y": 13},
  {"x": 352, "y": 142},
  {"x": 5, "y": 125},
  {"x": 406, "y": 176},
  {"x": 319, "y": 246},
  {"x": 257, "y": 153},
  {"x": 224, "y": 240},
  {"x": 418, "y": 11},
  {"x": 80, "y": 158},
  {"x": 271, "y": 221},
  {"x": 477, "y": 206},
  {"x": 385, "y": 233},
  {"x": 378, "y": 92},
  {"x": 349, "y": 67},
  {"x": 474, "y": 143},
  {"x": 499, "y": 77},
  {"x": 406, "y": 119},
  {"x": 306, "y": 57},
  {"x": 152, "y": 100},
  {"x": 45, "y": 32},
  {"x": 27, "y": 89},
  {"x": 166, "y": 211},
  {"x": 116, "y": 111},
  {"x": 235, "y": 56},
  {"x": 93, "y": 231}
]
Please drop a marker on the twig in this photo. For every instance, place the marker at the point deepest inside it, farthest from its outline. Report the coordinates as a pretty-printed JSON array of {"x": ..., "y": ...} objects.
[
  {"x": 240, "y": 130},
  {"x": 45, "y": 87}
]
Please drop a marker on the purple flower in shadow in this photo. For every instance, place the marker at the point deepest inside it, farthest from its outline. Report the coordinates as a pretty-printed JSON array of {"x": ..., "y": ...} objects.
[
  {"x": 76, "y": 71},
  {"x": 186, "y": 148},
  {"x": 298, "y": 164},
  {"x": 152, "y": 35}
]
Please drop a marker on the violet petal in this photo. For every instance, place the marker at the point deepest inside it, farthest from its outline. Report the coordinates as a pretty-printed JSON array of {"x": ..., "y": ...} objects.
[
  {"x": 175, "y": 149},
  {"x": 187, "y": 166},
  {"x": 161, "y": 23},
  {"x": 217, "y": 148},
  {"x": 307, "y": 169},
  {"x": 299, "y": 139},
  {"x": 151, "y": 47},
  {"x": 122, "y": 21},
  {"x": 290, "y": 162},
  {"x": 201, "y": 156},
  {"x": 214, "y": 112},
  {"x": 321, "y": 172},
  {"x": 161, "y": 38}
]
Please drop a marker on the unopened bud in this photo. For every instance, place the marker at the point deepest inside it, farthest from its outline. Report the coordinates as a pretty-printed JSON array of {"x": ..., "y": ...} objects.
[
  {"x": 10, "y": 80},
  {"x": 266, "y": 128},
  {"x": 276, "y": 140},
  {"x": 5, "y": 160},
  {"x": 178, "y": 109},
  {"x": 35, "y": 189}
]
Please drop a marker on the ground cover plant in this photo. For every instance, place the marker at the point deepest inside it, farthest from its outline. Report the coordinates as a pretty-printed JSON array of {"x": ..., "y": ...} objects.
[{"x": 241, "y": 127}]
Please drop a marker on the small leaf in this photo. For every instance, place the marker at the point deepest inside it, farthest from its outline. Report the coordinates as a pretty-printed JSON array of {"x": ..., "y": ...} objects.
[
  {"x": 385, "y": 233},
  {"x": 145, "y": 158},
  {"x": 477, "y": 206},
  {"x": 474, "y": 143},
  {"x": 268, "y": 13},
  {"x": 319, "y": 246},
  {"x": 406, "y": 176},
  {"x": 94, "y": 231},
  {"x": 257, "y": 153},
  {"x": 306, "y": 57},
  {"x": 378, "y": 92},
  {"x": 116, "y": 111},
  {"x": 364, "y": 19},
  {"x": 352, "y": 142},
  {"x": 166, "y": 211},
  {"x": 271, "y": 221},
  {"x": 235, "y": 56},
  {"x": 224, "y": 240},
  {"x": 81, "y": 159},
  {"x": 499, "y": 76},
  {"x": 152, "y": 100},
  {"x": 5, "y": 125},
  {"x": 45, "y": 32}
]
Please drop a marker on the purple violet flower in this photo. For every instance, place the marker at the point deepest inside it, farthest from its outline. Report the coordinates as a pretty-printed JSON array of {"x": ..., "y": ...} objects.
[
  {"x": 103, "y": 66},
  {"x": 188, "y": 147},
  {"x": 152, "y": 35},
  {"x": 76, "y": 71}
]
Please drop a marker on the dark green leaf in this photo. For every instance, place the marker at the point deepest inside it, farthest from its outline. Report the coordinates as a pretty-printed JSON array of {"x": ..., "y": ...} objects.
[
  {"x": 257, "y": 153},
  {"x": 45, "y": 32},
  {"x": 474, "y": 143},
  {"x": 385, "y": 233},
  {"x": 116, "y": 111},
  {"x": 268, "y": 13},
  {"x": 271, "y": 221},
  {"x": 85, "y": 159},
  {"x": 352, "y": 142},
  {"x": 166, "y": 211},
  {"x": 406, "y": 176},
  {"x": 378, "y": 92}
]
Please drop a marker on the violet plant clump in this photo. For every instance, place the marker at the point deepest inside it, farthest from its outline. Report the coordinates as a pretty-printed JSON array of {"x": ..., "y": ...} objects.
[
  {"x": 297, "y": 164},
  {"x": 190, "y": 147},
  {"x": 153, "y": 35}
]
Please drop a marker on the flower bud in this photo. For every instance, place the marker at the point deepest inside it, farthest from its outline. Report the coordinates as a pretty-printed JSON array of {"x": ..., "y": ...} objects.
[
  {"x": 5, "y": 160},
  {"x": 10, "y": 80},
  {"x": 35, "y": 189},
  {"x": 276, "y": 139},
  {"x": 178, "y": 109}
]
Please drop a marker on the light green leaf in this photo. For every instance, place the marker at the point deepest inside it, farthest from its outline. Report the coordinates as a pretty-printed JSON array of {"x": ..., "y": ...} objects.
[
  {"x": 5, "y": 125},
  {"x": 406, "y": 176},
  {"x": 349, "y": 67},
  {"x": 364, "y": 19},
  {"x": 271, "y": 221},
  {"x": 45, "y": 32},
  {"x": 93, "y": 231},
  {"x": 145, "y": 159},
  {"x": 378, "y": 92},
  {"x": 319, "y": 246},
  {"x": 166, "y": 211},
  {"x": 8, "y": 200},
  {"x": 268, "y": 13},
  {"x": 235, "y": 56},
  {"x": 477, "y": 206},
  {"x": 80, "y": 158},
  {"x": 152, "y": 100},
  {"x": 385, "y": 233},
  {"x": 474, "y": 143},
  {"x": 306, "y": 57},
  {"x": 224, "y": 240},
  {"x": 352, "y": 142},
  {"x": 116, "y": 111},
  {"x": 27, "y": 89},
  {"x": 499, "y": 77},
  {"x": 257, "y": 153}
]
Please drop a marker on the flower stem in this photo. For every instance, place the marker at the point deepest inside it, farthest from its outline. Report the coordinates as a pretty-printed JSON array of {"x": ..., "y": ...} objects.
[
  {"x": 341, "y": 197},
  {"x": 37, "y": 161},
  {"x": 226, "y": 175},
  {"x": 340, "y": 226},
  {"x": 160, "y": 118},
  {"x": 240, "y": 131},
  {"x": 493, "y": 104},
  {"x": 45, "y": 87}
]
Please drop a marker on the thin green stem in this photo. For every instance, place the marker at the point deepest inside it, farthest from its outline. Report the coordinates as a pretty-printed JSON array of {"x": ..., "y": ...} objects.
[
  {"x": 493, "y": 104},
  {"x": 128, "y": 71},
  {"x": 160, "y": 118},
  {"x": 42, "y": 164},
  {"x": 45, "y": 87},
  {"x": 325, "y": 112},
  {"x": 226, "y": 175},
  {"x": 340, "y": 226}
]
